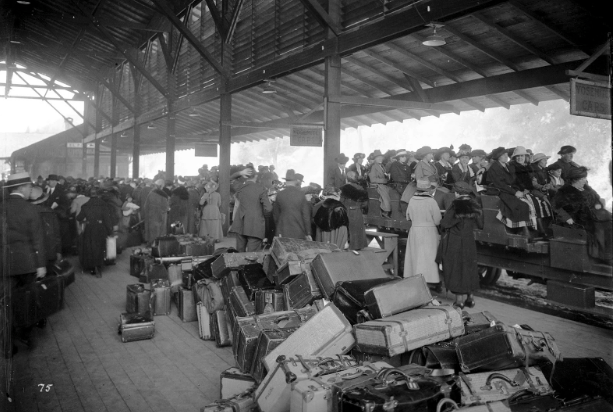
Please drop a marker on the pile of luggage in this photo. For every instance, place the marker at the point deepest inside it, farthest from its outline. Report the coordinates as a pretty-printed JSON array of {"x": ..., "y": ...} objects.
[{"x": 316, "y": 329}]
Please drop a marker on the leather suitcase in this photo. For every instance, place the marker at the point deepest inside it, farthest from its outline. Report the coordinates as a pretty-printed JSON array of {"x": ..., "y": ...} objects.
[
  {"x": 243, "y": 402},
  {"x": 273, "y": 394},
  {"x": 235, "y": 261},
  {"x": 148, "y": 262},
  {"x": 268, "y": 301},
  {"x": 270, "y": 268},
  {"x": 233, "y": 382},
  {"x": 136, "y": 265},
  {"x": 166, "y": 246},
  {"x": 252, "y": 278},
  {"x": 160, "y": 295},
  {"x": 409, "y": 330},
  {"x": 209, "y": 293},
  {"x": 327, "y": 333},
  {"x": 503, "y": 347},
  {"x": 331, "y": 268},
  {"x": 240, "y": 305},
  {"x": 544, "y": 404},
  {"x": 315, "y": 393},
  {"x": 441, "y": 355},
  {"x": 219, "y": 325},
  {"x": 289, "y": 271},
  {"x": 395, "y": 361},
  {"x": 64, "y": 270},
  {"x": 154, "y": 271},
  {"x": 187, "y": 306},
  {"x": 227, "y": 283},
  {"x": 301, "y": 291},
  {"x": 204, "y": 322},
  {"x": 268, "y": 339},
  {"x": 349, "y": 296},
  {"x": 285, "y": 249},
  {"x": 396, "y": 297},
  {"x": 137, "y": 299},
  {"x": 248, "y": 330},
  {"x": 393, "y": 390},
  {"x": 484, "y": 387},
  {"x": 38, "y": 300},
  {"x": 199, "y": 248},
  {"x": 133, "y": 326},
  {"x": 203, "y": 270},
  {"x": 175, "y": 277},
  {"x": 575, "y": 377},
  {"x": 475, "y": 322}
]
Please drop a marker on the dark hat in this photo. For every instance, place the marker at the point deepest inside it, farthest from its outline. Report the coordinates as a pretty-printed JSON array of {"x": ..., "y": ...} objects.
[
  {"x": 375, "y": 154},
  {"x": 390, "y": 153},
  {"x": 423, "y": 151},
  {"x": 463, "y": 188},
  {"x": 554, "y": 166},
  {"x": 497, "y": 152},
  {"x": 576, "y": 173},
  {"x": 359, "y": 156},
  {"x": 566, "y": 150},
  {"x": 330, "y": 190},
  {"x": 316, "y": 187},
  {"x": 478, "y": 152},
  {"x": 341, "y": 158},
  {"x": 465, "y": 147},
  {"x": 53, "y": 177},
  {"x": 168, "y": 183},
  {"x": 292, "y": 176},
  {"x": 18, "y": 179}
]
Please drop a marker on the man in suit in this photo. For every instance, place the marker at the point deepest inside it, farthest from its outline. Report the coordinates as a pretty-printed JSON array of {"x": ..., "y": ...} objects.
[
  {"x": 337, "y": 176},
  {"x": 26, "y": 248},
  {"x": 60, "y": 203},
  {"x": 249, "y": 222},
  {"x": 291, "y": 211}
]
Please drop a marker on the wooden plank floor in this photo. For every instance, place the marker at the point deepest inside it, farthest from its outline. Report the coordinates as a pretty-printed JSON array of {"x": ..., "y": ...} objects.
[{"x": 80, "y": 354}]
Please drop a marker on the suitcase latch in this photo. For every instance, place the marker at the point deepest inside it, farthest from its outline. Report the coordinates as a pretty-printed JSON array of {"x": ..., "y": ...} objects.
[{"x": 390, "y": 405}]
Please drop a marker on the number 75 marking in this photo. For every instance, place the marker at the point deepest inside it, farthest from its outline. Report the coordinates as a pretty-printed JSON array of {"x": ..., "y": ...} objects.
[{"x": 44, "y": 387}]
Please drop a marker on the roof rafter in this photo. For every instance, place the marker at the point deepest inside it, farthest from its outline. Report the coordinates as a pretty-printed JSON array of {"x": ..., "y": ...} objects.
[
  {"x": 398, "y": 67},
  {"x": 399, "y": 83},
  {"x": 322, "y": 17},
  {"x": 233, "y": 21}
]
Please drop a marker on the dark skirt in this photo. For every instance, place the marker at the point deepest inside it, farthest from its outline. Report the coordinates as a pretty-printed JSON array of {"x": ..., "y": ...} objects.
[
  {"x": 357, "y": 232},
  {"x": 92, "y": 246}
]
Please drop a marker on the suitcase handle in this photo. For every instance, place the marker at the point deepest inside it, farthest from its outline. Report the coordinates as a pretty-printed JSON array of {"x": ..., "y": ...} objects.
[
  {"x": 384, "y": 376},
  {"x": 496, "y": 375}
]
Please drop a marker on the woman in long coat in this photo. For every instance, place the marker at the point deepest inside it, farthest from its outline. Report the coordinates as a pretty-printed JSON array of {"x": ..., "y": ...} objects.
[
  {"x": 210, "y": 221},
  {"x": 459, "y": 251},
  {"x": 422, "y": 243},
  {"x": 331, "y": 221},
  {"x": 178, "y": 205},
  {"x": 355, "y": 198},
  {"x": 96, "y": 217},
  {"x": 156, "y": 213}
]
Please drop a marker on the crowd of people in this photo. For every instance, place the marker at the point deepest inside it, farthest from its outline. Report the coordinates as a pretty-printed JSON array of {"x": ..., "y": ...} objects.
[{"x": 439, "y": 192}]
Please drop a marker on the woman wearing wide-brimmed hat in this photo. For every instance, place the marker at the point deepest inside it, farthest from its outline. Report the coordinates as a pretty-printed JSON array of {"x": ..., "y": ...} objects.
[
  {"x": 96, "y": 217},
  {"x": 567, "y": 153},
  {"x": 378, "y": 178},
  {"x": 461, "y": 171},
  {"x": 443, "y": 164},
  {"x": 422, "y": 243},
  {"x": 458, "y": 249},
  {"x": 211, "y": 219},
  {"x": 423, "y": 169}
]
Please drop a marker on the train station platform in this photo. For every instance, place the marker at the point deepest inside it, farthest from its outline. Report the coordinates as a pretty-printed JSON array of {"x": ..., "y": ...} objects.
[{"x": 78, "y": 362}]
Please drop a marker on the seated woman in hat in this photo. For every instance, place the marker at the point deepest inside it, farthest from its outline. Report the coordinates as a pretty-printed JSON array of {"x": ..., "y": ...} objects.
[
  {"x": 577, "y": 205},
  {"x": 443, "y": 165},
  {"x": 330, "y": 218},
  {"x": 540, "y": 177},
  {"x": 423, "y": 170},
  {"x": 422, "y": 243},
  {"x": 554, "y": 172},
  {"x": 539, "y": 205},
  {"x": 461, "y": 171},
  {"x": 514, "y": 207},
  {"x": 358, "y": 167},
  {"x": 566, "y": 160}
]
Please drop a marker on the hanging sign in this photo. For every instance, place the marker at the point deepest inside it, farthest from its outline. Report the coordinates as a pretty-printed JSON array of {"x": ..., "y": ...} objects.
[
  {"x": 590, "y": 99},
  {"x": 206, "y": 149},
  {"x": 310, "y": 136}
]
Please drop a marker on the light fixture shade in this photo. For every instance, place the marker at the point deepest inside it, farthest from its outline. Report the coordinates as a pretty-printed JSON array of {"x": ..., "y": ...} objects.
[
  {"x": 193, "y": 113},
  {"x": 151, "y": 126},
  {"x": 268, "y": 89},
  {"x": 434, "y": 40}
]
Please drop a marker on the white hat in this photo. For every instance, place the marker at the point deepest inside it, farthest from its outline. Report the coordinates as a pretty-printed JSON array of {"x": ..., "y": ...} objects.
[
  {"x": 18, "y": 179},
  {"x": 519, "y": 150}
]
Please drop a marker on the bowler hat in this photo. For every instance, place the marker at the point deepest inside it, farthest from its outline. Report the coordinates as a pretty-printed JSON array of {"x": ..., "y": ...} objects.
[
  {"x": 538, "y": 157},
  {"x": 53, "y": 177},
  {"x": 497, "y": 152},
  {"x": 292, "y": 176},
  {"x": 341, "y": 158},
  {"x": 566, "y": 150},
  {"x": 18, "y": 179}
]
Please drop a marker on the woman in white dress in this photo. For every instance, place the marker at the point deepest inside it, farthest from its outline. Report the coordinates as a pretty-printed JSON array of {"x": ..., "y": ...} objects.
[
  {"x": 422, "y": 243},
  {"x": 210, "y": 220}
]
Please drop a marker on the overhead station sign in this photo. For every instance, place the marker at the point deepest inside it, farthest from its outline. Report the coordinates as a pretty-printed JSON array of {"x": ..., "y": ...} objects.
[
  {"x": 590, "y": 99},
  {"x": 310, "y": 136}
]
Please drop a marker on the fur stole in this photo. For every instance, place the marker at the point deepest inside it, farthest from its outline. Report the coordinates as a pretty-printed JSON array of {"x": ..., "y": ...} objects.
[
  {"x": 181, "y": 192},
  {"x": 331, "y": 215},
  {"x": 161, "y": 192},
  {"x": 569, "y": 194},
  {"x": 466, "y": 207},
  {"x": 354, "y": 192}
]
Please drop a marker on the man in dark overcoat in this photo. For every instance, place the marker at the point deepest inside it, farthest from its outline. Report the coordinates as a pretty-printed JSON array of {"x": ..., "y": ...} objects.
[
  {"x": 337, "y": 176},
  {"x": 156, "y": 212},
  {"x": 291, "y": 211},
  {"x": 249, "y": 222},
  {"x": 25, "y": 246},
  {"x": 60, "y": 203}
]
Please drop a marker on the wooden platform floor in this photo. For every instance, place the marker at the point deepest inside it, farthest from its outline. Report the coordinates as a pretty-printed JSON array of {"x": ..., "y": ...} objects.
[{"x": 80, "y": 354}]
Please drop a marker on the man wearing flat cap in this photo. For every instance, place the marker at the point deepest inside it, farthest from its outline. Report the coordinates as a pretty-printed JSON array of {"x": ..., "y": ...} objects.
[
  {"x": 25, "y": 246},
  {"x": 566, "y": 160},
  {"x": 337, "y": 175},
  {"x": 291, "y": 211}
]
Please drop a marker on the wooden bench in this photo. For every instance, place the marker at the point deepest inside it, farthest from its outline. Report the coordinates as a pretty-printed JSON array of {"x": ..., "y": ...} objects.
[{"x": 388, "y": 242}]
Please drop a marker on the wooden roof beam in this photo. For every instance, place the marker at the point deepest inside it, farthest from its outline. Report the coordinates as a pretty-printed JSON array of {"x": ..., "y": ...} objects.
[
  {"x": 349, "y": 86},
  {"x": 367, "y": 81},
  {"x": 526, "y": 96},
  {"x": 322, "y": 17},
  {"x": 391, "y": 103},
  {"x": 498, "y": 101},
  {"x": 116, "y": 93},
  {"x": 423, "y": 62},
  {"x": 217, "y": 19},
  {"x": 558, "y": 92},
  {"x": 233, "y": 21},
  {"x": 191, "y": 38},
  {"x": 378, "y": 73},
  {"x": 474, "y": 104},
  {"x": 506, "y": 33}
]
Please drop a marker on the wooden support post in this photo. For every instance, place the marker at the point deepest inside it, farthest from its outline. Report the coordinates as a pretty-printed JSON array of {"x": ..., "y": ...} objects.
[
  {"x": 115, "y": 117},
  {"x": 87, "y": 113},
  {"x": 136, "y": 140},
  {"x": 332, "y": 93},
  {"x": 225, "y": 144},
  {"x": 171, "y": 119},
  {"x": 97, "y": 142}
]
